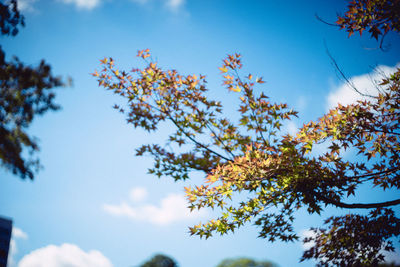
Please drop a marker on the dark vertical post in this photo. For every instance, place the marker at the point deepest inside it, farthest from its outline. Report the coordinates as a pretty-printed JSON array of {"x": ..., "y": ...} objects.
[{"x": 5, "y": 237}]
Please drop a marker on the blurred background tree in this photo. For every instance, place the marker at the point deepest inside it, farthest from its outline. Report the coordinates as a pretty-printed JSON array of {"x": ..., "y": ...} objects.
[
  {"x": 160, "y": 260},
  {"x": 25, "y": 93},
  {"x": 245, "y": 262}
]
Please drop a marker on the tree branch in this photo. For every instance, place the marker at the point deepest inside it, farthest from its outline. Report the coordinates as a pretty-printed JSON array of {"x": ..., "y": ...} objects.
[
  {"x": 374, "y": 173},
  {"x": 196, "y": 142},
  {"x": 359, "y": 205},
  {"x": 325, "y": 22},
  {"x": 219, "y": 139},
  {"x": 342, "y": 74}
]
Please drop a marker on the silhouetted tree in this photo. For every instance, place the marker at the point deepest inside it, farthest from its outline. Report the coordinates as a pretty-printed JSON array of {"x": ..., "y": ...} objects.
[
  {"x": 245, "y": 262},
  {"x": 25, "y": 92},
  {"x": 389, "y": 265},
  {"x": 10, "y": 18},
  {"x": 160, "y": 260}
]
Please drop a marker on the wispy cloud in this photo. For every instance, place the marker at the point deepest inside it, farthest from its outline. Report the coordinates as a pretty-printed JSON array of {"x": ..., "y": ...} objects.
[
  {"x": 64, "y": 255},
  {"x": 140, "y": 1},
  {"x": 175, "y": 4},
  {"x": 16, "y": 233},
  {"x": 392, "y": 257},
  {"x": 171, "y": 209},
  {"x": 305, "y": 234},
  {"x": 138, "y": 194},
  {"x": 291, "y": 128},
  {"x": 83, "y": 4},
  {"x": 366, "y": 84},
  {"x": 26, "y": 5},
  {"x": 301, "y": 103}
]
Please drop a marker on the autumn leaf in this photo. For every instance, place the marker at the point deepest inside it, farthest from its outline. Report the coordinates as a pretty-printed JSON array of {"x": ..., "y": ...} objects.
[{"x": 223, "y": 69}]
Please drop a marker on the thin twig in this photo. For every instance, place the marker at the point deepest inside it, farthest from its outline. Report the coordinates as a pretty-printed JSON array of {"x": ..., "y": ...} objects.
[
  {"x": 195, "y": 141},
  {"x": 342, "y": 73},
  {"x": 325, "y": 22}
]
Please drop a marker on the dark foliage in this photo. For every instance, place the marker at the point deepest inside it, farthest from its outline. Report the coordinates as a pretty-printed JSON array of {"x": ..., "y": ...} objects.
[
  {"x": 245, "y": 262},
  {"x": 160, "y": 261},
  {"x": 10, "y": 18},
  {"x": 378, "y": 17},
  {"x": 25, "y": 92}
]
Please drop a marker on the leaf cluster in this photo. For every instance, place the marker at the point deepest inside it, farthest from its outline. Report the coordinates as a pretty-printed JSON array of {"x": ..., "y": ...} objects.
[
  {"x": 25, "y": 92},
  {"x": 244, "y": 262},
  {"x": 160, "y": 260},
  {"x": 272, "y": 174},
  {"x": 10, "y": 18},
  {"x": 249, "y": 156},
  {"x": 354, "y": 240},
  {"x": 378, "y": 17}
]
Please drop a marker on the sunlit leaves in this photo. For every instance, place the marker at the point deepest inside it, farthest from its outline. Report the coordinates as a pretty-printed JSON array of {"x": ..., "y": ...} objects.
[
  {"x": 272, "y": 174},
  {"x": 372, "y": 129},
  {"x": 369, "y": 127}
]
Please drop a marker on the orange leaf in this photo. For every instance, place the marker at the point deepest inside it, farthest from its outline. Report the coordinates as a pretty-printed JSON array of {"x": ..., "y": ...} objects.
[
  {"x": 223, "y": 69},
  {"x": 235, "y": 89}
]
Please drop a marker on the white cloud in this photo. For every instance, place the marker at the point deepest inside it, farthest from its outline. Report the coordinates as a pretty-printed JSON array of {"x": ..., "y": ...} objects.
[
  {"x": 65, "y": 255},
  {"x": 138, "y": 194},
  {"x": 16, "y": 233},
  {"x": 292, "y": 128},
  {"x": 366, "y": 84},
  {"x": 304, "y": 234},
  {"x": 12, "y": 252},
  {"x": 175, "y": 4},
  {"x": 83, "y": 4},
  {"x": 171, "y": 209},
  {"x": 26, "y": 5},
  {"x": 392, "y": 257}
]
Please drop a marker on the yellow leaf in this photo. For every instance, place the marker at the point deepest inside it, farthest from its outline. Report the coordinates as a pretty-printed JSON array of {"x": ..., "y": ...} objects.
[
  {"x": 235, "y": 89},
  {"x": 223, "y": 69}
]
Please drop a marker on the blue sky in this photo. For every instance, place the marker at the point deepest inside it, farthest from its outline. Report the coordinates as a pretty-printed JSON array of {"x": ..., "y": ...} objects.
[{"x": 94, "y": 200}]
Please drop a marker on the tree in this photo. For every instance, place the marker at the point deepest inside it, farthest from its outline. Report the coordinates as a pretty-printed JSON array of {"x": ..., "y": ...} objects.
[
  {"x": 160, "y": 260},
  {"x": 276, "y": 172},
  {"x": 25, "y": 93},
  {"x": 10, "y": 18},
  {"x": 244, "y": 262},
  {"x": 389, "y": 265},
  {"x": 377, "y": 16}
]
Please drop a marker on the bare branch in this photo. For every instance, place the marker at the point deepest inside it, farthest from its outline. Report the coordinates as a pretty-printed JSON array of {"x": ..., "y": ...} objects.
[
  {"x": 325, "y": 22},
  {"x": 344, "y": 77}
]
